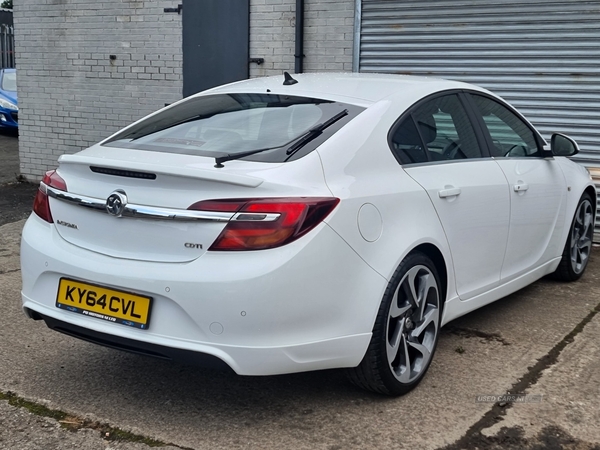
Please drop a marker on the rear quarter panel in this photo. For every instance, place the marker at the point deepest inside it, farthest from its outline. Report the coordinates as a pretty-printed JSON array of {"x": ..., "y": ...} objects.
[{"x": 360, "y": 169}]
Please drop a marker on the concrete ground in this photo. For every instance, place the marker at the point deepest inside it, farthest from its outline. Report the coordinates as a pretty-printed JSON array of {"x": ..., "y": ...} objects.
[
  {"x": 57, "y": 392},
  {"x": 9, "y": 157},
  {"x": 14, "y": 193}
]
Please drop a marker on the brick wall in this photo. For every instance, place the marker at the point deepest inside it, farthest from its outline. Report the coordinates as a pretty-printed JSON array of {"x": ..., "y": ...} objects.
[
  {"x": 71, "y": 94},
  {"x": 328, "y": 35}
]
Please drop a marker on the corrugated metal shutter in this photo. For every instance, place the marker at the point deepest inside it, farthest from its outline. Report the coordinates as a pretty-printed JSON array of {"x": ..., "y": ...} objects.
[{"x": 543, "y": 56}]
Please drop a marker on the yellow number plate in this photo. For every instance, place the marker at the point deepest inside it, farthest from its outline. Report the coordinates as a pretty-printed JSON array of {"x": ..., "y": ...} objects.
[{"x": 103, "y": 303}]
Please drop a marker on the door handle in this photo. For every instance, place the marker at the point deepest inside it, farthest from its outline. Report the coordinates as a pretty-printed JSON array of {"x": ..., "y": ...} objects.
[
  {"x": 521, "y": 187},
  {"x": 449, "y": 192}
]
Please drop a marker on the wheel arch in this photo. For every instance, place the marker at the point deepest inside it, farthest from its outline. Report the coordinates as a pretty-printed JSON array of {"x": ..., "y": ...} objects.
[
  {"x": 591, "y": 191},
  {"x": 436, "y": 256},
  {"x": 567, "y": 269},
  {"x": 373, "y": 373}
]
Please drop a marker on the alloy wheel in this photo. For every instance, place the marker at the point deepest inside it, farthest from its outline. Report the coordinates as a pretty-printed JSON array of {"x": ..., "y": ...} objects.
[
  {"x": 581, "y": 236},
  {"x": 413, "y": 324}
]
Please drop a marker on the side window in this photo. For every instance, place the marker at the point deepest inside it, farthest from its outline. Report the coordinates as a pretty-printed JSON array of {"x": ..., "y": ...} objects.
[
  {"x": 510, "y": 135},
  {"x": 444, "y": 133},
  {"x": 407, "y": 144}
]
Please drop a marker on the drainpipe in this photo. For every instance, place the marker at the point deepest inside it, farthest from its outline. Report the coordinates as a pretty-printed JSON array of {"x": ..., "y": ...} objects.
[
  {"x": 356, "y": 43},
  {"x": 299, "y": 53}
]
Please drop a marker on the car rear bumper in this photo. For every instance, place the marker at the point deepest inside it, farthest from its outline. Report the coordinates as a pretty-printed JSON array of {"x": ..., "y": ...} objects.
[
  {"x": 283, "y": 310},
  {"x": 129, "y": 345},
  {"x": 269, "y": 361}
]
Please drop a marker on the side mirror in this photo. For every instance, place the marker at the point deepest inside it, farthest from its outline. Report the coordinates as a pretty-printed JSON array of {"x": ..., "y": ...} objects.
[{"x": 562, "y": 145}]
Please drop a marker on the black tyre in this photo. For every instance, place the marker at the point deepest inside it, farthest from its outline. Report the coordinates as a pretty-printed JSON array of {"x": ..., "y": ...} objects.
[
  {"x": 406, "y": 330},
  {"x": 578, "y": 247}
]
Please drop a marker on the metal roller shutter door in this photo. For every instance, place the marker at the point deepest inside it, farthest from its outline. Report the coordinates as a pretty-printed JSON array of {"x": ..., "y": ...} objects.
[{"x": 543, "y": 56}]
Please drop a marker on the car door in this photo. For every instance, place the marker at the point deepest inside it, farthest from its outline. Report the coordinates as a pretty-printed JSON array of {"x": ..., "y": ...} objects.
[
  {"x": 438, "y": 147},
  {"x": 536, "y": 183}
]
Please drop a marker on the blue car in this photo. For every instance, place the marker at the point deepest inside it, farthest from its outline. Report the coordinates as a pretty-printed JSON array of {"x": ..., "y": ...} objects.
[{"x": 9, "y": 111}]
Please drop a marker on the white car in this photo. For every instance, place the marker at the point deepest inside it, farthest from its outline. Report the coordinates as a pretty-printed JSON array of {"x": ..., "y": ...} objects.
[{"x": 283, "y": 224}]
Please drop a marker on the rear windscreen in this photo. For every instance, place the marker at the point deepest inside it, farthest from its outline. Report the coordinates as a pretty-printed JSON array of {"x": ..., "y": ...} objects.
[{"x": 226, "y": 124}]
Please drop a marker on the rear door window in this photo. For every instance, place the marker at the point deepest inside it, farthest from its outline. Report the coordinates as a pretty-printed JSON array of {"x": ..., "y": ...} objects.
[{"x": 437, "y": 130}]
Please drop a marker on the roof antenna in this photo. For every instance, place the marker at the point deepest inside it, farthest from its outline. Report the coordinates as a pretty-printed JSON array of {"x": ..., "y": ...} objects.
[{"x": 288, "y": 79}]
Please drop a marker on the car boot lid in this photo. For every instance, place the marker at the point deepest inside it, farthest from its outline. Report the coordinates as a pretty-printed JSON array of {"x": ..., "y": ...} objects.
[{"x": 200, "y": 168}]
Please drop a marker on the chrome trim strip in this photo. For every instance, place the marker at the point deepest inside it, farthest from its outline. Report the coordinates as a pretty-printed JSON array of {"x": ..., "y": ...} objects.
[
  {"x": 255, "y": 217},
  {"x": 448, "y": 161},
  {"x": 140, "y": 211}
]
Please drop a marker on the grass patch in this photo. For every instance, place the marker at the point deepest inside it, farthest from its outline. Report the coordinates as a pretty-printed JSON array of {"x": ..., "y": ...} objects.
[{"x": 34, "y": 408}]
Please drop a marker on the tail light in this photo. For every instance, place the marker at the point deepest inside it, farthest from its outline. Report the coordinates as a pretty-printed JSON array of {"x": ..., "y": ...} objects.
[
  {"x": 259, "y": 224},
  {"x": 41, "y": 205}
]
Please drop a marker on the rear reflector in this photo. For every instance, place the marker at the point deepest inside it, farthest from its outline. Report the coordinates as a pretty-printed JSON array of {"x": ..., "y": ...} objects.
[
  {"x": 41, "y": 205},
  {"x": 268, "y": 222}
]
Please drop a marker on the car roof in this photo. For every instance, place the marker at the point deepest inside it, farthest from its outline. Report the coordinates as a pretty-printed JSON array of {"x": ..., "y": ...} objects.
[
  {"x": 358, "y": 88},
  {"x": 8, "y": 70}
]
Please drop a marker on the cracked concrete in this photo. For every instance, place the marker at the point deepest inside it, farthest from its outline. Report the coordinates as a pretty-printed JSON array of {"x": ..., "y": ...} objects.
[
  {"x": 571, "y": 390},
  {"x": 473, "y": 333},
  {"x": 568, "y": 371}
]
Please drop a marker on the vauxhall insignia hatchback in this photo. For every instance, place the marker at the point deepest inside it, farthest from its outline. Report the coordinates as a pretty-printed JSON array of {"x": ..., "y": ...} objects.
[{"x": 283, "y": 224}]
